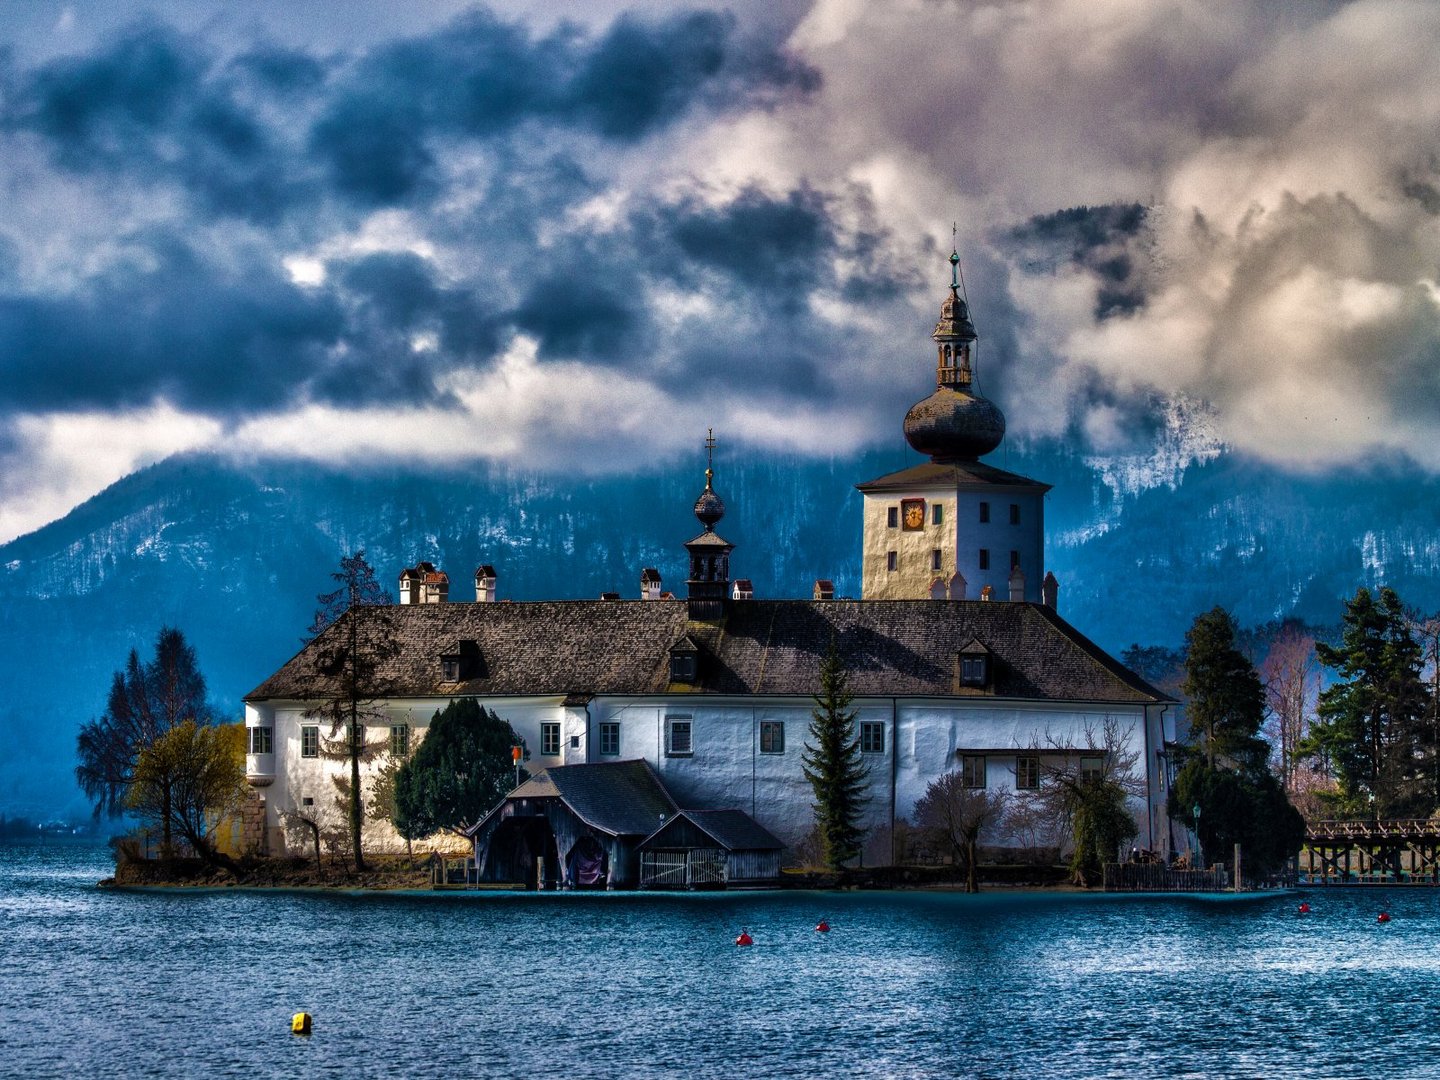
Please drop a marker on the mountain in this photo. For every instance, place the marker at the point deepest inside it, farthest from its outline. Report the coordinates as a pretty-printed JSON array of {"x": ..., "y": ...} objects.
[{"x": 234, "y": 554}]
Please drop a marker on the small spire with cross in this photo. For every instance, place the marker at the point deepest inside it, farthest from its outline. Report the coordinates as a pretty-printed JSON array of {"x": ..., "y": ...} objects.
[{"x": 710, "y": 445}]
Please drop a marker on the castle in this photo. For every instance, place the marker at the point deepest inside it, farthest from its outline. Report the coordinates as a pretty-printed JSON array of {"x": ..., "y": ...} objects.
[{"x": 663, "y": 725}]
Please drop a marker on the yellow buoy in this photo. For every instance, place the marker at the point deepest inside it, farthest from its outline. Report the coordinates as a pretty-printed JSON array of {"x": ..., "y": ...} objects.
[{"x": 300, "y": 1023}]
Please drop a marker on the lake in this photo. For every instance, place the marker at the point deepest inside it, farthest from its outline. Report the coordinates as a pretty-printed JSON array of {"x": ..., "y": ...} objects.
[{"x": 907, "y": 984}]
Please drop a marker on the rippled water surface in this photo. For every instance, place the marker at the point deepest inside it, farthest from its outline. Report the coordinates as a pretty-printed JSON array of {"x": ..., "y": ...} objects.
[{"x": 97, "y": 983}]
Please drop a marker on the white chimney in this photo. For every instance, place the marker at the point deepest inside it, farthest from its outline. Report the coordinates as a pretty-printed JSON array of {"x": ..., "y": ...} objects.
[
  {"x": 1017, "y": 586},
  {"x": 957, "y": 586},
  {"x": 485, "y": 584},
  {"x": 650, "y": 585}
]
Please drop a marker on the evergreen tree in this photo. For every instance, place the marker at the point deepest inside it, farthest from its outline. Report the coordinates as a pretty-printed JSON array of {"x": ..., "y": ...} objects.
[
  {"x": 1226, "y": 771},
  {"x": 460, "y": 771},
  {"x": 833, "y": 765},
  {"x": 1372, "y": 728},
  {"x": 1226, "y": 705},
  {"x": 355, "y": 636}
]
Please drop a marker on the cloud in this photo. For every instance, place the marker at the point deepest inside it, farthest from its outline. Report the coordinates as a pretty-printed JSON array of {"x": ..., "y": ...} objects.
[{"x": 557, "y": 239}]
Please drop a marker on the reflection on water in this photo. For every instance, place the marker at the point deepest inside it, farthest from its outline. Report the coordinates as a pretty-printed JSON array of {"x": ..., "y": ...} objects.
[{"x": 95, "y": 983}]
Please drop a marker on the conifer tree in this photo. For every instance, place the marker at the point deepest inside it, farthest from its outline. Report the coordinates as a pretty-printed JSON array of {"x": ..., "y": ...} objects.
[
  {"x": 461, "y": 769},
  {"x": 833, "y": 766},
  {"x": 1226, "y": 772},
  {"x": 1372, "y": 729}
]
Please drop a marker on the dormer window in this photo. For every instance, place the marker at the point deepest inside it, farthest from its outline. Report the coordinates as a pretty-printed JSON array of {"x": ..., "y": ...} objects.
[
  {"x": 450, "y": 668},
  {"x": 461, "y": 662},
  {"x": 683, "y": 657},
  {"x": 974, "y": 664}
]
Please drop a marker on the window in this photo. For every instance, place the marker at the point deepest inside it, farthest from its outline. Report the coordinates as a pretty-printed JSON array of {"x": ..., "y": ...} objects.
[
  {"x": 1091, "y": 768},
  {"x": 935, "y": 559},
  {"x": 682, "y": 667},
  {"x": 399, "y": 740},
  {"x": 260, "y": 740},
  {"x": 678, "y": 742},
  {"x": 1027, "y": 773},
  {"x": 890, "y": 560},
  {"x": 937, "y": 514},
  {"x": 772, "y": 737},
  {"x": 307, "y": 801},
  {"x": 972, "y": 770},
  {"x": 984, "y": 558},
  {"x": 550, "y": 738},
  {"x": 610, "y": 739},
  {"x": 892, "y": 517},
  {"x": 1014, "y": 513},
  {"x": 309, "y": 741},
  {"x": 359, "y": 735},
  {"x": 574, "y": 742},
  {"x": 972, "y": 670},
  {"x": 872, "y": 736},
  {"x": 450, "y": 668},
  {"x": 984, "y": 512}
]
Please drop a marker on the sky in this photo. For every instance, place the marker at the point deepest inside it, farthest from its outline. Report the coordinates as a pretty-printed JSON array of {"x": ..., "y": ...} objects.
[{"x": 446, "y": 233}]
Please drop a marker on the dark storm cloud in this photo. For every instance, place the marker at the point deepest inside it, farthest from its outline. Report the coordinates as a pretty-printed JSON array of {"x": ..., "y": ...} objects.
[
  {"x": 166, "y": 324},
  {"x": 481, "y": 77},
  {"x": 1100, "y": 239}
]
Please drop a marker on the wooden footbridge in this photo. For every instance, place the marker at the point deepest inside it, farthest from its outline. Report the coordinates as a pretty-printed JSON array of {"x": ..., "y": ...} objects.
[{"x": 1404, "y": 851}]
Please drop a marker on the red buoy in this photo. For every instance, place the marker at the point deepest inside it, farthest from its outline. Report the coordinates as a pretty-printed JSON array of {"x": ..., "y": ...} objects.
[
  {"x": 744, "y": 938},
  {"x": 1304, "y": 909},
  {"x": 823, "y": 927},
  {"x": 1383, "y": 917}
]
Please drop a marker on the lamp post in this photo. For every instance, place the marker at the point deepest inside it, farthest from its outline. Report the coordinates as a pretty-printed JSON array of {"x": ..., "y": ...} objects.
[{"x": 1199, "y": 859}]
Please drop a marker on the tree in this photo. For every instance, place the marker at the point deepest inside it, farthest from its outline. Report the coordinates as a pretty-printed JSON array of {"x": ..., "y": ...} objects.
[
  {"x": 354, "y": 644},
  {"x": 956, "y": 815},
  {"x": 1291, "y": 681},
  {"x": 1372, "y": 728},
  {"x": 1226, "y": 699},
  {"x": 188, "y": 779},
  {"x": 145, "y": 701},
  {"x": 1085, "y": 791},
  {"x": 1226, "y": 770},
  {"x": 832, "y": 763},
  {"x": 460, "y": 771}
]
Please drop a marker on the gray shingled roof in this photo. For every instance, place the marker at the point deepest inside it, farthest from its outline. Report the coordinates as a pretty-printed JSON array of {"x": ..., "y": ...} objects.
[
  {"x": 773, "y": 647},
  {"x": 734, "y": 830},
  {"x": 621, "y": 798},
  {"x": 950, "y": 473}
]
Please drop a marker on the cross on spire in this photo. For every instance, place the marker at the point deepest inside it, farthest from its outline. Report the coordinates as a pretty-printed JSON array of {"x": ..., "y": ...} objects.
[{"x": 710, "y": 445}]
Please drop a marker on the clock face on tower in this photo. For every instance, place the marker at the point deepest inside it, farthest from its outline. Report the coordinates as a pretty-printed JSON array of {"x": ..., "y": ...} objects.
[{"x": 912, "y": 514}]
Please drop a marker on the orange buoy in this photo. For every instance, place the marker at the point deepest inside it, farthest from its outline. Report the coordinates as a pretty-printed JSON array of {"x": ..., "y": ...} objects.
[
  {"x": 822, "y": 927},
  {"x": 1304, "y": 909},
  {"x": 1383, "y": 917},
  {"x": 744, "y": 938}
]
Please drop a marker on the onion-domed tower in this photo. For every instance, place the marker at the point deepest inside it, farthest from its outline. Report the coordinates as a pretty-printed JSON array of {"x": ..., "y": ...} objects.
[
  {"x": 954, "y": 527},
  {"x": 709, "y": 581}
]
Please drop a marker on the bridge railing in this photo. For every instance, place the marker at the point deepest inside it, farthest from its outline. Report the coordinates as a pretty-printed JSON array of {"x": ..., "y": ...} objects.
[{"x": 1384, "y": 829}]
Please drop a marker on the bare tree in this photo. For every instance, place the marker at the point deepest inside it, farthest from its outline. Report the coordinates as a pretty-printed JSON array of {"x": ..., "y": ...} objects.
[
  {"x": 957, "y": 814},
  {"x": 1291, "y": 675},
  {"x": 1086, "y": 787}
]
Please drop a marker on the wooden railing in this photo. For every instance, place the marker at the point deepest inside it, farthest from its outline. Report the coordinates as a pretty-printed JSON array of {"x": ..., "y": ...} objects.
[
  {"x": 1366, "y": 831},
  {"x": 1154, "y": 877}
]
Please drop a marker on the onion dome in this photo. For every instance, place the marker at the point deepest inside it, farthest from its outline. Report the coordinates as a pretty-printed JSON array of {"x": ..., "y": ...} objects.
[
  {"x": 955, "y": 423},
  {"x": 709, "y": 507}
]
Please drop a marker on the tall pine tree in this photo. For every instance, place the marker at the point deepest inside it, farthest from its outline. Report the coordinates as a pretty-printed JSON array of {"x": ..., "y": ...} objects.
[
  {"x": 1226, "y": 771},
  {"x": 833, "y": 765},
  {"x": 1372, "y": 729}
]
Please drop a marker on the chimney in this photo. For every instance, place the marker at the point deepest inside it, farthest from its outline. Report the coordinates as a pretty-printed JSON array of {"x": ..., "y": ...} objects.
[
  {"x": 1050, "y": 592},
  {"x": 824, "y": 589},
  {"x": 957, "y": 586},
  {"x": 987, "y": 593},
  {"x": 423, "y": 584},
  {"x": 937, "y": 589},
  {"x": 1017, "y": 586},
  {"x": 742, "y": 589},
  {"x": 485, "y": 584},
  {"x": 650, "y": 584}
]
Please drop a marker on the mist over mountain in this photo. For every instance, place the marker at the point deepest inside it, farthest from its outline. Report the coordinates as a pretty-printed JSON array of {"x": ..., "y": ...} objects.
[{"x": 233, "y": 554}]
